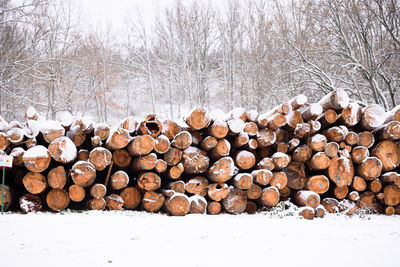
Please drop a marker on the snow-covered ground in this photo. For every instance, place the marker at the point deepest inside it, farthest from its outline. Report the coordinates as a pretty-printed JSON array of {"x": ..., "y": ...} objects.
[{"x": 143, "y": 239}]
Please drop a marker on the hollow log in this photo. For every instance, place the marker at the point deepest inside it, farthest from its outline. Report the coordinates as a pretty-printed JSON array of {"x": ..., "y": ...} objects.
[
  {"x": 218, "y": 191},
  {"x": 197, "y": 185},
  {"x": 131, "y": 197},
  {"x": 151, "y": 126}
]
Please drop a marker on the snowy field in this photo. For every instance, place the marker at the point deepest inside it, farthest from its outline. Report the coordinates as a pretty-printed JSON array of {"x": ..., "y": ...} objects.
[{"x": 132, "y": 238}]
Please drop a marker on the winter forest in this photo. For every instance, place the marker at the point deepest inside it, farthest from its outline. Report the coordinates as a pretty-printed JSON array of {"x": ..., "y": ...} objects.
[{"x": 253, "y": 54}]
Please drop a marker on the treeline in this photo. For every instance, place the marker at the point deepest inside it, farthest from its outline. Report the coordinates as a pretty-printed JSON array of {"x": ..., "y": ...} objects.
[{"x": 253, "y": 54}]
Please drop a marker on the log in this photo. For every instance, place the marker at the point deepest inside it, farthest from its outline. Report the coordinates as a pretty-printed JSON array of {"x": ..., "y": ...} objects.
[
  {"x": 302, "y": 153},
  {"x": 30, "y": 203},
  {"x": 251, "y": 207},
  {"x": 51, "y": 130},
  {"x": 36, "y": 159},
  {"x": 375, "y": 186},
  {"x": 351, "y": 138},
  {"x": 178, "y": 186},
  {"x": 151, "y": 126},
  {"x": 390, "y": 177},
  {"x": 196, "y": 138},
  {"x": 367, "y": 201},
  {"x": 391, "y": 195},
  {"x": 282, "y": 147},
  {"x": 141, "y": 145},
  {"x": 340, "y": 192},
  {"x": 96, "y": 141},
  {"x": 354, "y": 195},
  {"x": 102, "y": 130},
  {"x": 319, "y": 161},
  {"x": 120, "y": 180},
  {"x": 7, "y": 197},
  {"x": 222, "y": 149},
  {"x": 235, "y": 202},
  {"x": 388, "y": 152},
  {"x": 4, "y": 142},
  {"x": 335, "y": 134},
  {"x": 296, "y": 176},
  {"x": 208, "y": 143},
  {"x": 269, "y": 196},
  {"x": 292, "y": 119},
  {"x": 336, "y": 100},
  {"x": 214, "y": 208},
  {"x": 97, "y": 204},
  {"x": 331, "y": 149},
  {"x": 320, "y": 211},
  {"x": 359, "y": 154},
  {"x": 307, "y": 198},
  {"x": 118, "y": 138},
  {"x": 315, "y": 126},
  {"x": 262, "y": 176},
  {"x": 327, "y": 118},
  {"x": 129, "y": 124},
  {"x": 312, "y": 112},
  {"x": 366, "y": 139},
  {"x": 197, "y": 185},
  {"x": 359, "y": 184},
  {"x": 170, "y": 128},
  {"x": 293, "y": 143},
  {"x": 235, "y": 126},
  {"x": 83, "y": 173},
  {"x": 240, "y": 140},
  {"x": 57, "y": 177},
  {"x": 266, "y": 137},
  {"x": 17, "y": 153},
  {"x": 254, "y": 192},
  {"x": 307, "y": 213},
  {"x": 318, "y": 142},
  {"x": 131, "y": 197},
  {"x": 161, "y": 166},
  {"x": 195, "y": 160},
  {"x": 297, "y": 102},
  {"x": 252, "y": 115},
  {"x": 389, "y": 210},
  {"x": 279, "y": 180},
  {"x": 34, "y": 182},
  {"x": 222, "y": 170},
  {"x": 114, "y": 202},
  {"x": 330, "y": 204},
  {"x": 243, "y": 181},
  {"x": 250, "y": 128},
  {"x": 76, "y": 193},
  {"x": 351, "y": 114},
  {"x": 370, "y": 168},
  {"x": 57, "y": 199},
  {"x": 144, "y": 163},
  {"x": 121, "y": 158},
  {"x": 276, "y": 121},
  {"x": 198, "y": 204},
  {"x": 218, "y": 191},
  {"x": 173, "y": 156},
  {"x": 219, "y": 129},
  {"x": 177, "y": 205},
  {"x": 266, "y": 163},
  {"x": 161, "y": 144},
  {"x": 153, "y": 201},
  {"x": 281, "y": 160},
  {"x": 245, "y": 160},
  {"x": 372, "y": 117},
  {"x": 341, "y": 171},
  {"x": 83, "y": 155},
  {"x": 100, "y": 157},
  {"x": 98, "y": 191},
  {"x": 198, "y": 119},
  {"x": 149, "y": 181},
  {"x": 318, "y": 184},
  {"x": 176, "y": 171},
  {"x": 182, "y": 140},
  {"x": 389, "y": 131}
]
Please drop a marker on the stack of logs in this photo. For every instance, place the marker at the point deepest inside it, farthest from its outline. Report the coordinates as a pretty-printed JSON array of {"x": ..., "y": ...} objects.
[{"x": 329, "y": 156}]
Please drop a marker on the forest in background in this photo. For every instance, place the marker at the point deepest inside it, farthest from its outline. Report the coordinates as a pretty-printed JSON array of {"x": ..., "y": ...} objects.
[{"x": 252, "y": 54}]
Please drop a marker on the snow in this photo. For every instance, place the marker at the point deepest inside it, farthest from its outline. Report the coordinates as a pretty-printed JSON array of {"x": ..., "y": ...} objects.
[
  {"x": 240, "y": 175},
  {"x": 218, "y": 115},
  {"x": 197, "y": 199},
  {"x": 191, "y": 149},
  {"x": 244, "y": 154},
  {"x": 377, "y": 115},
  {"x": 31, "y": 113},
  {"x": 305, "y": 194},
  {"x": 252, "y": 114},
  {"x": 342, "y": 98},
  {"x": 236, "y": 113},
  {"x": 236, "y": 125},
  {"x": 301, "y": 99},
  {"x": 280, "y": 155},
  {"x": 47, "y": 126},
  {"x": 318, "y": 138},
  {"x": 68, "y": 150},
  {"x": 36, "y": 151},
  {"x": 3, "y": 125},
  {"x": 139, "y": 238},
  {"x": 65, "y": 117},
  {"x": 17, "y": 151}
]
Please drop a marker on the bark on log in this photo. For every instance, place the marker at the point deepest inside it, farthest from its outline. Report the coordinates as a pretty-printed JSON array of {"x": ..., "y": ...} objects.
[
  {"x": 302, "y": 153},
  {"x": 295, "y": 173}
]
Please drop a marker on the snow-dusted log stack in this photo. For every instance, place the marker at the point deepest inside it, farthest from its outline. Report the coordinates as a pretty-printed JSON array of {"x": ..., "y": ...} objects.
[{"x": 329, "y": 156}]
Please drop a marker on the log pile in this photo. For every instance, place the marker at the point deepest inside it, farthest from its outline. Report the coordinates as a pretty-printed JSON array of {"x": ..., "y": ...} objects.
[{"x": 330, "y": 156}]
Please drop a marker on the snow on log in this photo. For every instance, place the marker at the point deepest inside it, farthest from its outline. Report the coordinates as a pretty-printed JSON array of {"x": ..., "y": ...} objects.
[
  {"x": 83, "y": 173},
  {"x": 63, "y": 150},
  {"x": 195, "y": 160},
  {"x": 222, "y": 170},
  {"x": 236, "y": 200}
]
